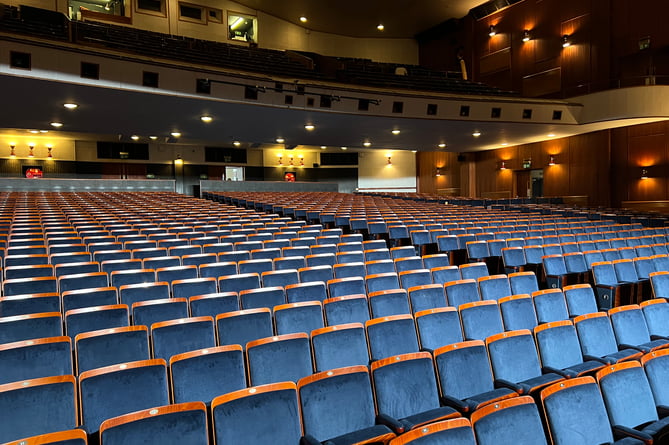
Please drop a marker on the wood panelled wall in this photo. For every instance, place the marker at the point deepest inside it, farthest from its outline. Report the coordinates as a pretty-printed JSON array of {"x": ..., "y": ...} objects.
[
  {"x": 453, "y": 173},
  {"x": 540, "y": 67},
  {"x": 605, "y": 166}
]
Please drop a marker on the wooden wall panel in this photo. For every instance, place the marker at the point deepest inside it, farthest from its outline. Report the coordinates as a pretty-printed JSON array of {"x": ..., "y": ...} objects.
[
  {"x": 589, "y": 167},
  {"x": 449, "y": 182}
]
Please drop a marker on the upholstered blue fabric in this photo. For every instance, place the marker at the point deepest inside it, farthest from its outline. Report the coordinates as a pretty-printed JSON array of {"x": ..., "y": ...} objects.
[
  {"x": 408, "y": 263},
  {"x": 321, "y": 248},
  {"x": 110, "y": 347},
  {"x": 36, "y": 407},
  {"x": 322, "y": 273},
  {"x": 62, "y": 270},
  {"x": 629, "y": 398},
  {"x": 193, "y": 286},
  {"x": 447, "y": 243},
  {"x": 346, "y": 286},
  {"x": 198, "y": 259},
  {"x": 402, "y": 252},
  {"x": 26, "y": 327},
  {"x": 480, "y": 320},
  {"x": 184, "y": 335},
  {"x": 258, "y": 418},
  {"x": 207, "y": 374},
  {"x": 515, "y": 425},
  {"x": 267, "y": 253},
  {"x": 349, "y": 269},
  {"x": 445, "y": 274},
  {"x": 289, "y": 262},
  {"x": 121, "y": 390},
  {"x": 313, "y": 291},
  {"x": 656, "y": 314},
  {"x": 513, "y": 258},
  {"x": 392, "y": 337},
  {"x": 630, "y": 328},
  {"x": 349, "y": 395},
  {"x": 438, "y": 328},
  {"x": 134, "y": 293},
  {"x": 262, "y": 297},
  {"x": 239, "y": 282},
  {"x": 349, "y": 309},
  {"x": 625, "y": 271},
  {"x": 321, "y": 259},
  {"x": 473, "y": 271},
  {"x": 160, "y": 262},
  {"x": 385, "y": 303},
  {"x": 435, "y": 260},
  {"x": 406, "y": 389},
  {"x": 494, "y": 287},
  {"x": 533, "y": 254},
  {"x": 461, "y": 292},
  {"x": 133, "y": 276},
  {"x": 155, "y": 311},
  {"x": 523, "y": 283},
  {"x": 413, "y": 278},
  {"x": 644, "y": 265},
  {"x": 23, "y": 286},
  {"x": 168, "y": 428},
  {"x": 477, "y": 250},
  {"x": 580, "y": 300},
  {"x": 423, "y": 297},
  {"x": 281, "y": 278},
  {"x": 598, "y": 340},
  {"x": 215, "y": 270},
  {"x": 89, "y": 297},
  {"x": 243, "y": 327},
  {"x": 35, "y": 359},
  {"x": 279, "y": 360},
  {"x": 550, "y": 306},
  {"x": 213, "y": 304},
  {"x": 382, "y": 281},
  {"x": 559, "y": 348},
  {"x": 374, "y": 267},
  {"x": 29, "y": 304},
  {"x": 604, "y": 273},
  {"x": 96, "y": 318},
  {"x": 518, "y": 313},
  {"x": 339, "y": 348},
  {"x": 300, "y": 317}
]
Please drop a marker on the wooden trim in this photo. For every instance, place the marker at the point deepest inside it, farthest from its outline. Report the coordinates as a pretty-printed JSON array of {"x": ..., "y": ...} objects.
[
  {"x": 539, "y": 293},
  {"x": 50, "y": 438},
  {"x": 343, "y": 298},
  {"x": 564, "y": 384},
  {"x": 662, "y": 272},
  {"x": 152, "y": 412},
  {"x": 449, "y": 424},
  {"x": 89, "y": 290},
  {"x": 580, "y": 318},
  {"x": 260, "y": 289},
  {"x": 610, "y": 369},
  {"x": 261, "y": 310},
  {"x": 389, "y": 318},
  {"x": 143, "y": 285},
  {"x": 503, "y": 404},
  {"x": 508, "y": 334},
  {"x": 458, "y": 345},
  {"x": 437, "y": 310},
  {"x": 472, "y": 304},
  {"x": 194, "y": 280},
  {"x": 493, "y": 277},
  {"x": 87, "y": 14},
  {"x": 520, "y": 274},
  {"x": 181, "y": 321},
  {"x": 283, "y": 307},
  {"x": 250, "y": 392},
  {"x": 627, "y": 307},
  {"x": 514, "y": 297},
  {"x": 456, "y": 282},
  {"x": 29, "y": 316},
  {"x": 338, "y": 327},
  {"x": 110, "y": 331},
  {"x": 422, "y": 286},
  {"x": 26, "y": 296},
  {"x": 653, "y": 354},
  {"x": 400, "y": 358},
  {"x": 34, "y": 342},
  {"x": 273, "y": 339},
  {"x": 552, "y": 324},
  {"x": 121, "y": 367},
  {"x": 331, "y": 373},
  {"x": 645, "y": 303},
  {"x": 576, "y": 286},
  {"x": 204, "y": 351},
  {"x": 13, "y": 386},
  {"x": 159, "y": 301}
]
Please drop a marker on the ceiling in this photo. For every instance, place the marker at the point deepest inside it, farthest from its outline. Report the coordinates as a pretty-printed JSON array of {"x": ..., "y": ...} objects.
[{"x": 401, "y": 18}]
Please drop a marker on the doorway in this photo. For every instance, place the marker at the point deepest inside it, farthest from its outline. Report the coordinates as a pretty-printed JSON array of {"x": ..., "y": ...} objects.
[{"x": 529, "y": 183}]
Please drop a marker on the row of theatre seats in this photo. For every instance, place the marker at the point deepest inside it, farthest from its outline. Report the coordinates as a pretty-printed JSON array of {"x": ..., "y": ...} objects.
[{"x": 378, "y": 357}]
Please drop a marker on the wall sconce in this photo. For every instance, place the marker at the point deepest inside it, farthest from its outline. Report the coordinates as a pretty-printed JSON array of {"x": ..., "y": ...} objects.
[
  {"x": 644, "y": 173},
  {"x": 290, "y": 160},
  {"x": 502, "y": 165},
  {"x": 49, "y": 156},
  {"x": 566, "y": 41},
  {"x": 12, "y": 153},
  {"x": 551, "y": 160},
  {"x": 492, "y": 31},
  {"x": 526, "y": 36},
  {"x": 389, "y": 160},
  {"x": 438, "y": 172},
  {"x": 301, "y": 160},
  {"x": 280, "y": 159},
  {"x": 178, "y": 160},
  {"x": 31, "y": 147}
]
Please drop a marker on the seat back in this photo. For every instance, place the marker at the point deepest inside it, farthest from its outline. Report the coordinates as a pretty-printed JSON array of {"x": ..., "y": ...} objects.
[
  {"x": 625, "y": 270},
  {"x": 523, "y": 283},
  {"x": 558, "y": 344},
  {"x": 393, "y": 335},
  {"x": 660, "y": 283},
  {"x": 241, "y": 327},
  {"x": 213, "y": 304},
  {"x": 95, "y": 318},
  {"x": 596, "y": 334},
  {"x": 550, "y": 305},
  {"x": 575, "y": 412},
  {"x": 518, "y": 312},
  {"x": 153, "y": 311},
  {"x": 52, "y": 400},
  {"x": 604, "y": 273},
  {"x": 206, "y": 366},
  {"x": 445, "y": 274},
  {"x": 405, "y": 385},
  {"x": 656, "y": 365},
  {"x": 480, "y": 319},
  {"x": 262, "y": 297},
  {"x": 424, "y": 297},
  {"x": 279, "y": 359},
  {"x": 452, "y": 359},
  {"x": 494, "y": 287},
  {"x": 298, "y": 317},
  {"x": 513, "y": 356},
  {"x": 174, "y": 337},
  {"x": 514, "y": 421},
  {"x": 627, "y": 394},
  {"x": 381, "y": 282},
  {"x": 34, "y": 359},
  {"x": 438, "y": 327},
  {"x": 656, "y": 313},
  {"x": 461, "y": 291},
  {"x": 339, "y": 347},
  {"x": 473, "y": 271},
  {"x": 385, "y": 303},
  {"x": 629, "y": 325},
  {"x": 580, "y": 299},
  {"x": 97, "y": 349}
]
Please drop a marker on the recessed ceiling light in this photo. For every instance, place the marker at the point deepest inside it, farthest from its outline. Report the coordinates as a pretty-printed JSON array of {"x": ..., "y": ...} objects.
[
  {"x": 504, "y": 143},
  {"x": 551, "y": 135},
  {"x": 367, "y": 144},
  {"x": 380, "y": 27},
  {"x": 414, "y": 151},
  {"x": 153, "y": 138},
  {"x": 442, "y": 145},
  {"x": 44, "y": 131},
  {"x": 134, "y": 137},
  {"x": 206, "y": 119},
  {"x": 323, "y": 147},
  {"x": 303, "y": 19},
  {"x": 396, "y": 132},
  {"x": 70, "y": 105},
  {"x": 236, "y": 143},
  {"x": 280, "y": 140},
  {"x": 56, "y": 124},
  {"x": 175, "y": 134},
  {"x": 476, "y": 133},
  {"x": 309, "y": 127},
  {"x": 33, "y": 131},
  {"x": 344, "y": 148}
]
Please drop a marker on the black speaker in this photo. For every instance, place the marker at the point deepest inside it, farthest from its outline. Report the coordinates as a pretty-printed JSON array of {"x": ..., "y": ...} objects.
[
  {"x": 316, "y": 165},
  {"x": 462, "y": 158}
]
